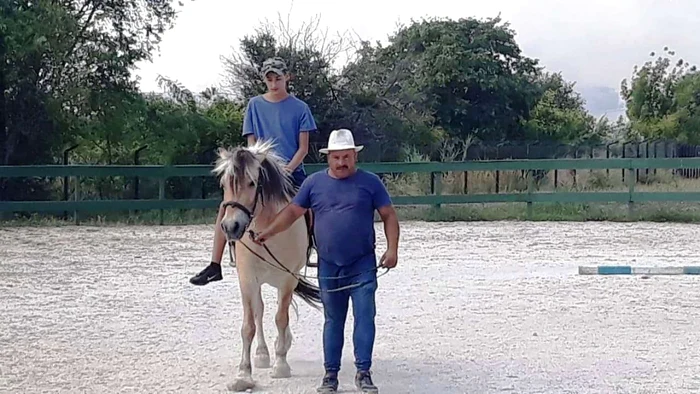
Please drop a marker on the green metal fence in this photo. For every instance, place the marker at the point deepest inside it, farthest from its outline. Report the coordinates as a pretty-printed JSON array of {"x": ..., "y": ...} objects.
[{"x": 436, "y": 198}]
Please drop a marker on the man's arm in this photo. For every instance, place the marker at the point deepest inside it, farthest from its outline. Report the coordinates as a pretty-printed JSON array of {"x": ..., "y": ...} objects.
[
  {"x": 281, "y": 222},
  {"x": 391, "y": 226},
  {"x": 301, "y": 152}
]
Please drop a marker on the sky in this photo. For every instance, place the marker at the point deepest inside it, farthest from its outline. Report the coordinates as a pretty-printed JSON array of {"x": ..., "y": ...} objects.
[{"x": 595, "y": 43}]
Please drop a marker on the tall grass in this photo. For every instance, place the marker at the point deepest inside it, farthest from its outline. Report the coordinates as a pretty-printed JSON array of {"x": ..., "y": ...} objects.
[{"x": 480, "y": 182}]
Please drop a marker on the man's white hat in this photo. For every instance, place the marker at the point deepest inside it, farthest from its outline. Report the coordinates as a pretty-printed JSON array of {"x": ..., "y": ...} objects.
[{"x": 341, "y": 139}]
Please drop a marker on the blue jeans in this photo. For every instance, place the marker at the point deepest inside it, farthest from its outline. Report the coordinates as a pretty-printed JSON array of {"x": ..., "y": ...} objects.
[{"x": 335, "y": 305}]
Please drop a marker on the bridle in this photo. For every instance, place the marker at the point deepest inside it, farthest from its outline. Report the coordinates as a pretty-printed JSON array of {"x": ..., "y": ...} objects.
[
  {"x": 248, "y": 212},
  {"x": 278, "y": 265}
]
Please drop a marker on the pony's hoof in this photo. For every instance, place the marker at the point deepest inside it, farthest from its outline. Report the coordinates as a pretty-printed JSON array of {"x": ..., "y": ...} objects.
[
  {"x": 281, "y": 371},
  {"x": 262, "y": 361},
  {"x": 241, "y": 384}
]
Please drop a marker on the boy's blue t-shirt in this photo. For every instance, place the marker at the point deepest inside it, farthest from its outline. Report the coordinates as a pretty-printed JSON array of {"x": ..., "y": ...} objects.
[
  {"x": 343, "y": 212},
  {"x": 281, "y": 121}
]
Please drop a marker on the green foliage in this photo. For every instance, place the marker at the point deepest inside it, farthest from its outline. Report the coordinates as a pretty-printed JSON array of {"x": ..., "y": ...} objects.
[
  {"x": 470, "y": 74},
  {"x": 661, "y": 99},
  {"x": 66, "y": 77}
]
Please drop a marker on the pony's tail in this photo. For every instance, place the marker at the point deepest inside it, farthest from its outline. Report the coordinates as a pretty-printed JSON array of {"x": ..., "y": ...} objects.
[{"x": 309, "y": 293}]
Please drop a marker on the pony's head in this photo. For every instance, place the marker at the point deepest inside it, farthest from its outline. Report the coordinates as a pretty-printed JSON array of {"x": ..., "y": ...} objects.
[{"x": 255, "y": 179}]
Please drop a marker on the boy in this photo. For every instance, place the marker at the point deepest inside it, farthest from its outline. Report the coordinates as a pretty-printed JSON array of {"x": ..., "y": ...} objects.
[{"x": 274, "y": 115}]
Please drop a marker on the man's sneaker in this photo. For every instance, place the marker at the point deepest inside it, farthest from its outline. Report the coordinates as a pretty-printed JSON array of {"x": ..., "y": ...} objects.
[
  {"x": 210, "y": 274},
  {"x": 329, "y": 385},
  {"x": 363, "y": 381}
]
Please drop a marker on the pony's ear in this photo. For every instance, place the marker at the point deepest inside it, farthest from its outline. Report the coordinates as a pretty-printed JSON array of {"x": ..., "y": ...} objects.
[
  {"x": 223, "y": 153},
  {"x": 221, "y": 162}
]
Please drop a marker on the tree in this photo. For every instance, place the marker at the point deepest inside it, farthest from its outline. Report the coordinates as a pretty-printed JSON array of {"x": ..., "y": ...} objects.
[
  {"x": 469, "y": 73},
  {"x": 650, "y": 96},
  {"x": 66, "y": 73},
  {"x": 560, "y": 115}
]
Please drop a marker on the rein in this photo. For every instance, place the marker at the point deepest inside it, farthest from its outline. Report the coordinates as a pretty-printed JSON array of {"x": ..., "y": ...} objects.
[
  {"x": 299, "y": 276},
  {"x": 251, "y": 214}
]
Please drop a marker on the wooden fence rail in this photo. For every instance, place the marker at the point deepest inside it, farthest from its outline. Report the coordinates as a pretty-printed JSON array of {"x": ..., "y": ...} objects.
[{"x": 436, "y": 169}]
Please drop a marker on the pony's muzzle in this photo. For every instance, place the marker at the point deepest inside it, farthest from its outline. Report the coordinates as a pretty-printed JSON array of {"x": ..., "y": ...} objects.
[{"x": 234, "y": 227}]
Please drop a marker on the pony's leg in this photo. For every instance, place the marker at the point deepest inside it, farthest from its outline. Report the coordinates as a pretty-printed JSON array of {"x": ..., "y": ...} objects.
[
  {"x": 262, "y": 354},
  {"x": 244, "y": 380},
  {"x": 284, "y": 335}
]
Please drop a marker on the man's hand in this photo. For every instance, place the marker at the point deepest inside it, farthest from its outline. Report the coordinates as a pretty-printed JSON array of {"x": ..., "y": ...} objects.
[
  {"x": 389, "y": 259},
  {"x": 260, "y": 238},
  {"x": 280, "y": 223},
  {"x": 288, "y": 169}
]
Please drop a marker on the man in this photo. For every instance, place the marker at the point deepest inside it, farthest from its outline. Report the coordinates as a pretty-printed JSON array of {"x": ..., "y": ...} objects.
[
  {"x": 343, "y": 199},
  {"x": 274, "y": 115}
]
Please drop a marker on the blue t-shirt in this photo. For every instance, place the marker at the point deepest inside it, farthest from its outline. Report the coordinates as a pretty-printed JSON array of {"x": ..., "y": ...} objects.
[
  {"x": 343, "y": 213},
  {"x": 281, "y": 121}
]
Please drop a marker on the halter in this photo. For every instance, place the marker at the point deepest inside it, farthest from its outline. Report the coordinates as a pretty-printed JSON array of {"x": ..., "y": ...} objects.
[{"x": 249, "y": 212}]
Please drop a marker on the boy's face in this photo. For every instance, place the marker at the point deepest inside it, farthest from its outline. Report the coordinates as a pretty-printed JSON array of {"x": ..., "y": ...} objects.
[{"x": 276, "y": 83}]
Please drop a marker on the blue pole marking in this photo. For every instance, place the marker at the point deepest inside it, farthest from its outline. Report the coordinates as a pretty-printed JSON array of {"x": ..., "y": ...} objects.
[
  {"x": 632, "y": 270},
  {"x": 614, "y": 270},
  {"x": 691, "y": 270}
]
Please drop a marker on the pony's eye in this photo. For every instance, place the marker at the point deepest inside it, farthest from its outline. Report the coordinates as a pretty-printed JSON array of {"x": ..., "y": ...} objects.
[{"x": 251, "y": 184}]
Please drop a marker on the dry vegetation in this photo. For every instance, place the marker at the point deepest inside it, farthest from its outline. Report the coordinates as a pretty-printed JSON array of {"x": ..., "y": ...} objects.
[{"x": 484, "y": 182}]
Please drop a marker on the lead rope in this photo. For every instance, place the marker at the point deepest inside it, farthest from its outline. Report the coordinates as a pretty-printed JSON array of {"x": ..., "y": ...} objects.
[{"x": 299, "y": 277}]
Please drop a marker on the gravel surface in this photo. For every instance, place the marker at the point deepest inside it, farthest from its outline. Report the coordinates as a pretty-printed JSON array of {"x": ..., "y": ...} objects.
[{"x": 472, "y": 308}]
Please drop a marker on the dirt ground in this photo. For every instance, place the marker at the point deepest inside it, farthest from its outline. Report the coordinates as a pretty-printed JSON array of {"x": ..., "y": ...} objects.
[{"x": 487, "y": 307}]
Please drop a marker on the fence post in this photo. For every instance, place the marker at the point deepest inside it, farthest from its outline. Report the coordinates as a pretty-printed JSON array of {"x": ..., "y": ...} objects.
[
  {"x": 630, "y": 183},
  {"x": 65, "y": 178},
  {"x": 437, "y": 185},
  {"x": 530, "y": 186},
  {"x": 76, "y": 197},
  {"x": 497, "y": 181},
  {"x": 161, "y": 195},
  {"x": 466, "y": 182},
  {"x": 137, "y": 152}
]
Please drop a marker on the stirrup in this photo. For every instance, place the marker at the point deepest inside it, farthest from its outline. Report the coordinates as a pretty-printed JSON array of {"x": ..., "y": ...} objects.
[
  {"x": 312, "y": 241},
  {"x": 310, "y": 263}
]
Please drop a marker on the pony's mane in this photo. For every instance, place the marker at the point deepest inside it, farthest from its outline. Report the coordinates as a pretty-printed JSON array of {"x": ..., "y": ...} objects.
[{"x": 234, "y": 166}]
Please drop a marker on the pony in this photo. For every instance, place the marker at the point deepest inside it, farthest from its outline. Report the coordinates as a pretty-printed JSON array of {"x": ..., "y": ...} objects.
[{"x": 256, "y": 187}]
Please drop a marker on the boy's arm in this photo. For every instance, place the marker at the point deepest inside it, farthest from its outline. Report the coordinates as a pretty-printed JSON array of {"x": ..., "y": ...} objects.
[
  {"x": 247, "y": 131},
  {"x": 301, "y": 152},
  {"x": 307, "y": 124}
]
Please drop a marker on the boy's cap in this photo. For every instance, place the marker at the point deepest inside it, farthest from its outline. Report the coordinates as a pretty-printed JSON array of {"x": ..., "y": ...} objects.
[{"x": 275, "y": 65}]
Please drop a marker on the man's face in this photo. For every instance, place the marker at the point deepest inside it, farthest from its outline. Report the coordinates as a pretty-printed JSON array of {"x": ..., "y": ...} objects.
[
  {"x": 276, "y": 83},
  {"x": 342, "y": 162}
]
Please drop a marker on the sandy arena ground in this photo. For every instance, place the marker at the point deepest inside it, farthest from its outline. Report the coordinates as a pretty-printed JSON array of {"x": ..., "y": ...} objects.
[{"x": 472, "y": 308}]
